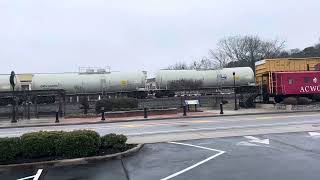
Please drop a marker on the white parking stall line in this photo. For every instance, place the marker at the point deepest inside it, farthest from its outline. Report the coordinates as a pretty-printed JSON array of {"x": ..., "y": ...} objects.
[
  {"x": 201, "y": 147},
  {"x": 35, "y": 177},
  {"x": 220, "y": 152}
]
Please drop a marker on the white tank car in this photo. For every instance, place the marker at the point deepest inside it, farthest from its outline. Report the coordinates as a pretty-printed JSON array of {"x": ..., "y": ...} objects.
[
  {"x": 5, "y": 83},
  {"x": 90, "y": 83},
  {"x": 209, "y": 78}
]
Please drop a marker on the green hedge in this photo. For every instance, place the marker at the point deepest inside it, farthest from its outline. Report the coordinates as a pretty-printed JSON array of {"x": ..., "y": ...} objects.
[
  {"x": 58, "y": 144},
  {"x": 41, "y": 144},
  {"x": 10, "y": 149},
  {"x": 79, "y": 144},
  {"x": 116, "y": 104},
  {"x": 114, "y": 141}
]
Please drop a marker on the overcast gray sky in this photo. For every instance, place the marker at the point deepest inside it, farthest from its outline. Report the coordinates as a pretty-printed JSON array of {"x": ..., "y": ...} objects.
[{"x": 61, "y": 35}]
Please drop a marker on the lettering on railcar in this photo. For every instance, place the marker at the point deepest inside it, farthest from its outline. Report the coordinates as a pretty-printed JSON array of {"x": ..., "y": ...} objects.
[
  {"x": 49, "y": 86},
  {"x": 306, "y": 89}
]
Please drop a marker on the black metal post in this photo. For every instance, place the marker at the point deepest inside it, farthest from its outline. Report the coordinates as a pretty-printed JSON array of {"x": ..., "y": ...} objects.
[
  {"x": 102, "y": 114},
  {"x": 184, "y": 110},
  {"x": 28, "y": 110},
  {"x": 195, "y": 107},
  {"x": 36, "y": 112},
  {"x": 57, "y": 116},
  {"x": 221, "y": 108},
  {"x": 60, "y": 107},
  {"x": 24, "y": 113},
  {"x": 14, "y": 120},
  {"x": 13, "y": 83},
  {"x": 145, "y": 110},
  {"x": 234, "y": 89}
]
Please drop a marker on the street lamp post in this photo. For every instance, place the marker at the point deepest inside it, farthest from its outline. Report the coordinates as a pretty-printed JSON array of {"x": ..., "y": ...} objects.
[
  {"x": 13, "y": 83},
  {"x": 234, "y": 89}
]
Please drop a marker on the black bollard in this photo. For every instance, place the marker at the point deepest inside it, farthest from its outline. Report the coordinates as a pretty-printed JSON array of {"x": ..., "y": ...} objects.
[
  {"x": 221, "y": 108},
  {"x": 184, "y": 110},
  {"x": 102, "y": 114},
  {"x": 14, "y": 120},
  {"x": 145, "y": 110},
  {"x": 28, "y": 111},
  {"x": 57, "y": 116}
]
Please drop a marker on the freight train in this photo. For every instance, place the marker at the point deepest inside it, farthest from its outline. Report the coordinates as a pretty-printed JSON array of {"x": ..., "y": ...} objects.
[
  {"x": 274, "y": 78},
  {"x": 132, "y": 84}
]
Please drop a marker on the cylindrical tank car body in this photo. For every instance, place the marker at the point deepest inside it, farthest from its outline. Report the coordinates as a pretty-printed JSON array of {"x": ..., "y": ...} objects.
[
  {"x": 206, "y": 78},
  {"x": 90, "y": 83}
]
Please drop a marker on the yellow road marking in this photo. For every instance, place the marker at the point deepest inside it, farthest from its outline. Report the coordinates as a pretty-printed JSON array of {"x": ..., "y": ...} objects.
[
  {"x": 150, "y": 124},
  {"x": 201, "y": 121},
  {"x": 272, "y": 117},
  {"x": 131, "y": 126}
]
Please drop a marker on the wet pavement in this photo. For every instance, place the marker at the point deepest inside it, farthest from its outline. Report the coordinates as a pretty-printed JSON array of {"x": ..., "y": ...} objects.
[{"x": 271, "y": 156}]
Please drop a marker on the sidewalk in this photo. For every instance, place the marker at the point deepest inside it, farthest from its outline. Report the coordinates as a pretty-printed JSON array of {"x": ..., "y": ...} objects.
[{"x": 6, "y": 123}]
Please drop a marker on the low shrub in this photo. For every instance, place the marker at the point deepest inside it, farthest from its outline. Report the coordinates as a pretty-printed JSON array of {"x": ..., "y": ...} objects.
[
  {"x": 316, "y": 97},
  {"x": 41, "y": 144},
  {"x": 10, "y": 149},
  {"x": 114, "y": 141},
  {"x": 290, "y": 101},
  {"x": 116, "y": 104},
  {"x": 59, "y": 144},
  {"x": 304, "y": 100},
  {"x": 84, "y": 104},
  {"x": 79, "y": 143}
]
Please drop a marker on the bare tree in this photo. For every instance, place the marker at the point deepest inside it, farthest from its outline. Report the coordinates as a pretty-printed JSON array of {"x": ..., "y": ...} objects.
[
  {"x": 317, "y": 44},
  {"x": 202, "y": 64},
  {"x": 178, "y": 66},
  {"x": 245, "y": 50}
]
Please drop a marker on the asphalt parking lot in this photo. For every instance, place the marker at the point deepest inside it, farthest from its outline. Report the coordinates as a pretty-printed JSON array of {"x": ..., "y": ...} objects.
[{"x": 272, "y": 156}]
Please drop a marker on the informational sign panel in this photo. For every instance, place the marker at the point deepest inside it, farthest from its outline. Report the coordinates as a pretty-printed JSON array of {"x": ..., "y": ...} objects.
[{"x": 191, "y": 102}]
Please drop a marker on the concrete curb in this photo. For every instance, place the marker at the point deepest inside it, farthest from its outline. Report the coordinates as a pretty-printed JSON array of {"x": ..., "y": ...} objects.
[
  {"x": 150, "y": 119},
  {"x": 69, "y": 162}
]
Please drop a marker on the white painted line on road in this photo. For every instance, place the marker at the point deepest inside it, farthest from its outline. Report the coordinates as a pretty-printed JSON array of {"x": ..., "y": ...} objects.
[
  {"x": 257, "y": 140},
  {"x": 245, "y": 143},
  {"x": 35, "y": 177},
  {"x": 197, "y": 164},
  {"x": 314, "y": 134},
  {"x": 201, "y": 147},
  {"x": 224, "y": 128},
  {"x": 280, "y": 117}
]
